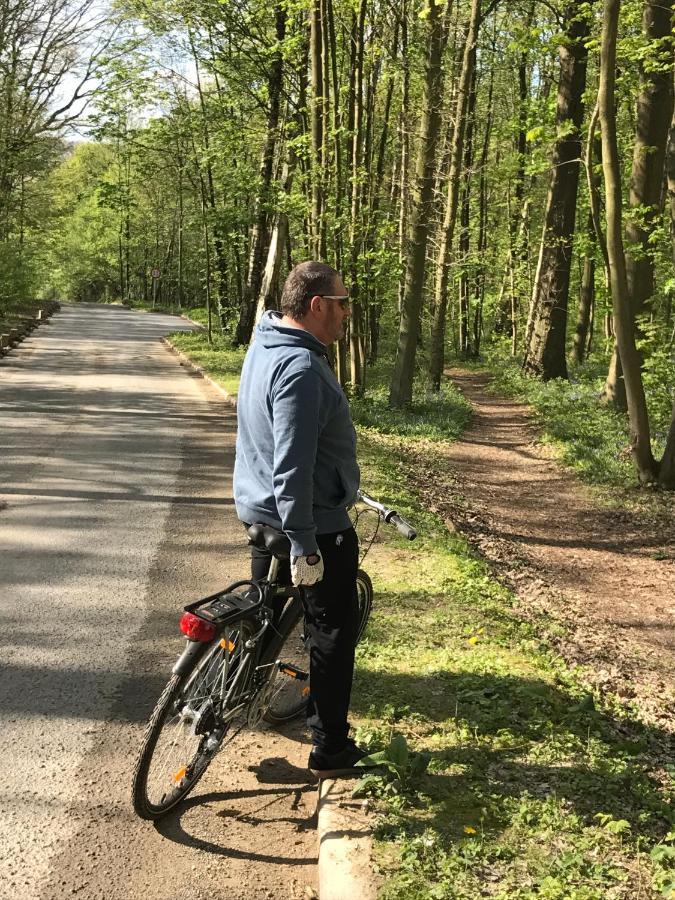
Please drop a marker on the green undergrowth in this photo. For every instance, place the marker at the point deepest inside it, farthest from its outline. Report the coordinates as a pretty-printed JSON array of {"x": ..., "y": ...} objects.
[
  {"x": 434, "y": 415},
  {"x": 534, "y": 788},
  {"x": 588, "y": 435}
]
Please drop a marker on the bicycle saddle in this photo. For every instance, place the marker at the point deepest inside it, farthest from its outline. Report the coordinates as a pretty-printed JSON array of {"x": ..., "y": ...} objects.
[{"x": 268, "y": 538}]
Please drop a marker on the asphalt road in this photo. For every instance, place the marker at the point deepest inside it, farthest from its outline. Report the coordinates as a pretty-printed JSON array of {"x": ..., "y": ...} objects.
[{"x": 115, "y": 510}]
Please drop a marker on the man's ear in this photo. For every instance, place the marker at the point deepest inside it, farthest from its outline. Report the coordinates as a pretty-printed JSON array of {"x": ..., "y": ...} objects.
[{"x": 315, "y": 304}]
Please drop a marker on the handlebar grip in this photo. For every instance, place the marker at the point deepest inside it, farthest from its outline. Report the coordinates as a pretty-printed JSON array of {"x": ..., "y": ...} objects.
[{"x": 403, "y": 528}]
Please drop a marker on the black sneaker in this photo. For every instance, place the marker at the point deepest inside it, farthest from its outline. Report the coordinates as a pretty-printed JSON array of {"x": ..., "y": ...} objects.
[{"x": 336, "y": 765}]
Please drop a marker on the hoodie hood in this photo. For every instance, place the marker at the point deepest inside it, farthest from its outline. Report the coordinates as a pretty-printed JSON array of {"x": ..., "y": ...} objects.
[{"x": 271, "y": 333}]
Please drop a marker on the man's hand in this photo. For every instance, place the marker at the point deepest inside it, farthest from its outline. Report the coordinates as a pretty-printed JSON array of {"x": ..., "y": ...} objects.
[{"x": 306, "y": 570}]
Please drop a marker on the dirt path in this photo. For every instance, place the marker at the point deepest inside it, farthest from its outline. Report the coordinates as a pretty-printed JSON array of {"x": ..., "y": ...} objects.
[{"x": 607, "y": 574}]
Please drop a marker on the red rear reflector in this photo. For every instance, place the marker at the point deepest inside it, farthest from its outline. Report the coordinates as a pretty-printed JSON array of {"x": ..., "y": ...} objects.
[{"x": 196, "y": 629}]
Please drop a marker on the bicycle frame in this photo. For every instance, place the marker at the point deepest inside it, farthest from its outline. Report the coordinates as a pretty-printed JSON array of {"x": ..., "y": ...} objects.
[
  {"x": 249, "y": 660},
  {"x": 263, "y": 612},
  {"x": 246, "y": 659}
]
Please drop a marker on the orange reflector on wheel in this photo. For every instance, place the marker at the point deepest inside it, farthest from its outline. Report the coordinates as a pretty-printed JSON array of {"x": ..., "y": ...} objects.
[
  {"x": 305, "y": 692},
  {"x": 181, "y": 773},
  {"x": 227, "y": 645}
]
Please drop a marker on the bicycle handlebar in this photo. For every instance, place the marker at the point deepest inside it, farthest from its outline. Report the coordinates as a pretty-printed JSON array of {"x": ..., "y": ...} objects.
[
  {"x": 390, "y": 516},
  {"x": 403, "y": 527}
]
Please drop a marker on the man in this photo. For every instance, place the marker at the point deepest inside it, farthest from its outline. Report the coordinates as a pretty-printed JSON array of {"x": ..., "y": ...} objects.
[{"x": 296, "y": 470}]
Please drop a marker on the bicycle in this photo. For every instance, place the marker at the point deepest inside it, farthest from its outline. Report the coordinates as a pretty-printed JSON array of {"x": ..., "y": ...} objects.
[{"x": 246, "y": 660}]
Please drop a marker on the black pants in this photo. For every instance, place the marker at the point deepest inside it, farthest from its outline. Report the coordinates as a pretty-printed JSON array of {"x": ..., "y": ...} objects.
[{"x": 331, "y": 615}]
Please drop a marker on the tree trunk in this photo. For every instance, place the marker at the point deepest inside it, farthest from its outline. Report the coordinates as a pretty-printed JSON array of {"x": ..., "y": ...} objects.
[
  {"x": 586, "y": 300},
  {"x": 465, "y": 225},
  {"x": 317, "y": 119},
  {"x": 670, "y": 177},
  {"x": 547, "y": 320},
  {"x": 667, "y": 464},
  {"x": 400, "y": 389},
  {"x": 516, "y": 258},
  {"x": 180, "y": 232},
  {"x": 356, "y": 104},
  {"x": 259, "y": 231},
  {"x": 337, "y": 135},
  {"x": 623, "y": 318},
  {"x": 270, "y": 279},
  {"x": 482, "y": 223},
  {"x": 437, "y": 352},
  {"x": 225, "y": 306},
  {"x": 404, "y": 140},
  {"x": 653, "y": 117}
]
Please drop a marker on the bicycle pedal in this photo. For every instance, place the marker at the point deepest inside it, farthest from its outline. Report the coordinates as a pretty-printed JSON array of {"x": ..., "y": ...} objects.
[{"x": 292, "y": 671}]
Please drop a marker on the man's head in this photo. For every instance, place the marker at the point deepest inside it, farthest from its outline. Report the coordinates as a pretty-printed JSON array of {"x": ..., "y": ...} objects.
[{"x": 315, "y": 298}]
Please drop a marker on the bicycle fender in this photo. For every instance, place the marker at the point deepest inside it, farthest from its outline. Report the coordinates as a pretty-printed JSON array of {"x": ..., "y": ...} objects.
[{"x": 193, "y": 652}]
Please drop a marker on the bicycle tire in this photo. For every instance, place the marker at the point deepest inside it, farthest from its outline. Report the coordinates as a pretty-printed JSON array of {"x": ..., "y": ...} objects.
[
  {"x": 364, "y": 599},
  {"x": 288, "y": 695},
  {"x": 185, "y": 713}
]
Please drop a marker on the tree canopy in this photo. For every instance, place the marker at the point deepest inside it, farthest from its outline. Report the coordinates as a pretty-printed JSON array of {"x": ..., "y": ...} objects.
[{"x": 454, "y": 159}]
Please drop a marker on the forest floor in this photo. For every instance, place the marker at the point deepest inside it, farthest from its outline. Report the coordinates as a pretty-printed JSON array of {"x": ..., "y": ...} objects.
[{"x": 599, "y": 570}]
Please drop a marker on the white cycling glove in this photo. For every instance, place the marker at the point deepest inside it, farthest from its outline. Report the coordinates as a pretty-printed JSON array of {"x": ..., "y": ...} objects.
[{"x": 304, "y": 572}]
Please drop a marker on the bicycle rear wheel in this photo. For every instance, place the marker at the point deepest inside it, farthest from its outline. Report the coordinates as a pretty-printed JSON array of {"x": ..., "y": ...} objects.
[{"x": 190, "y": 723}]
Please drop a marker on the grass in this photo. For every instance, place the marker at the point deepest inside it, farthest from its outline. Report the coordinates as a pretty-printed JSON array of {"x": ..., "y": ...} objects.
[
  {"x": 219, "y": 359},
  {"x": 535, "y": 788}
]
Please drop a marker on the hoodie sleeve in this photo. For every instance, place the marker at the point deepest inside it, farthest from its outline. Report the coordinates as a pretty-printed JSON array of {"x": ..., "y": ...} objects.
[{"x": 296, "y": 411}]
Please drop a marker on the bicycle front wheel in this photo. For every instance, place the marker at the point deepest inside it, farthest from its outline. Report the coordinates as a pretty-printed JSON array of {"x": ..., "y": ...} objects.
[
  {"x": 288, "y": 687},
  {"x": 190, "y": 723},
  {"x": 364, "y": 599}
]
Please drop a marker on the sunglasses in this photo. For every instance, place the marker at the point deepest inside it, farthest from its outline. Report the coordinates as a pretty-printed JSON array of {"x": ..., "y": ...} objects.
[{"x": 343, "y": 299}]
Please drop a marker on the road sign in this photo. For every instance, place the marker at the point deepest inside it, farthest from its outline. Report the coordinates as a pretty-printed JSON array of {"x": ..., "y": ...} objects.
[{"x": 156, "y": 273}]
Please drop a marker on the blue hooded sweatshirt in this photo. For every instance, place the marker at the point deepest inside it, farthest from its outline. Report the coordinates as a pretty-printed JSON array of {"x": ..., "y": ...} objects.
[{"x": 295, "y": 466}]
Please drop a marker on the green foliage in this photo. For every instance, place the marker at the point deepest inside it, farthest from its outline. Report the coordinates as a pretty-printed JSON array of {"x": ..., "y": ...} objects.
[
  {"x": 663, "y": 857},
  {"x": 219, "y": 360},
  {"x": 398, "y": 769},
  {"x": 659, "y": 383},
  {"x": 83, "y": 233},
  {"x": 17, "y": 275}
]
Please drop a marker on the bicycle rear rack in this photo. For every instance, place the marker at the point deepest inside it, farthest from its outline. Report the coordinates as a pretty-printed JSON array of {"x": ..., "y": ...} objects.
[{"x": 229, "y": 605}]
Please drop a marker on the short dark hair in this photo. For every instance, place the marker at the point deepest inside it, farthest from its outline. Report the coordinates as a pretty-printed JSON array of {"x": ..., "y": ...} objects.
[{"x": 305, "y": 281}]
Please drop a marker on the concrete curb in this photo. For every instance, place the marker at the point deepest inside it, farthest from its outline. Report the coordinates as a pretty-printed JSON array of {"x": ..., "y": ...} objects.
[
  {"x": 230, "y": 399},
  {"x": 343, "y": 829},
  {"x": 345, "y": 844}
]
